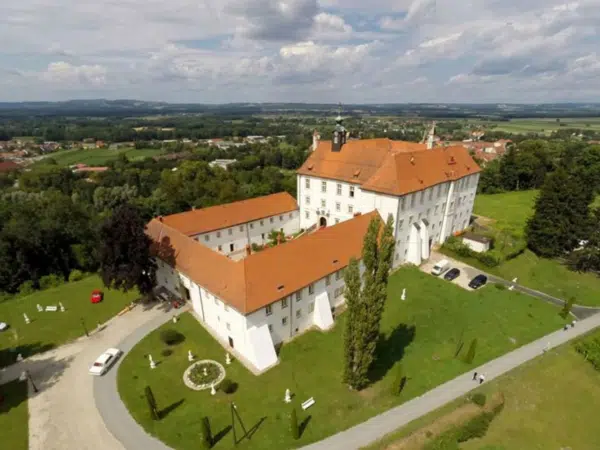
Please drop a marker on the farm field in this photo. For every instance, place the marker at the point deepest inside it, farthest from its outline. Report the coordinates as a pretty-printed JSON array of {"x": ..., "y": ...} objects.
[
  {"x": 422, "y": 332},
  {"x": 546, "y": 126},
  {"x": 99, "y": 156}
]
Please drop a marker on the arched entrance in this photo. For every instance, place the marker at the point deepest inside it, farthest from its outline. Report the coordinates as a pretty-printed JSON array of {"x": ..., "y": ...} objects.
[{"x": 322, "y": 222}]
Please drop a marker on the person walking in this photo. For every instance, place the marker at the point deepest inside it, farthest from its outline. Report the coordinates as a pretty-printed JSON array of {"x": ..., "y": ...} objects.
[
  {"x": 474, "y": 375},
  {"x": 481, "y": 378}
]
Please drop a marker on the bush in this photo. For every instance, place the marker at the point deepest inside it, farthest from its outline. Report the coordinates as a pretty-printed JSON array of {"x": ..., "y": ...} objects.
[
  {"x": 50, "y": 281},
  {"x": 26, "y": 288},
  {"x": 488, "y": 259},
  {"x": 171, "y": 337},
  {"x": 75, "y": 275},
  {"x": 476, "y": 428},
  {"x": 479, "y": 399},
  {"x": 589, "y": 348},
  {"x": 499, "y": 286},
  {"x": 167, "y": 352},
  {"x": 228, "y": 386}
]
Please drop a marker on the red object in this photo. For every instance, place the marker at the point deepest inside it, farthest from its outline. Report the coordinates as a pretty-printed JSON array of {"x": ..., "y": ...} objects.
[
  {"x": 177, "y": 304},
  {"x": 97, "y": 296}
]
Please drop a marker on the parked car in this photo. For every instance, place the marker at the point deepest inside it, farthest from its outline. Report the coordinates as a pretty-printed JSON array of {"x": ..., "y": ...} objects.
[
  {"x": 440, "y": 267},
  {"x": 478, "y": 281},
  {"x": 105, "y": 361},
  {"x": 97, "y": 296},
  {"x": 452, "y": 274}
]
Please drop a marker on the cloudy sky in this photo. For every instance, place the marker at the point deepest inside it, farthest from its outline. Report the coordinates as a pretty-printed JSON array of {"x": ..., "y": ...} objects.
[{"x": 348, "y": 51}]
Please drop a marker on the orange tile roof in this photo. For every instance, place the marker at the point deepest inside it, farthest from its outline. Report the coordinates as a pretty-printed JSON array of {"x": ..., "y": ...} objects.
[
  {"x": 7, "y": 166},
  {"x": 390, "y": 167},
  {"x": 267, "y": 276},
  {"x": 231, "y": 214}
]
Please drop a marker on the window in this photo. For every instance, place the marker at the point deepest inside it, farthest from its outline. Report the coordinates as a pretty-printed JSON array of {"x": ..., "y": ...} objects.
[
  {"x": 402, "y": 203},
  {"x": 262, "y": 222},
  {"x": 284, "y": 321},
  {"x": 268, "y": 310},
  {"x": 307, "y": 215},
  {"x": 230, "y": 231},
  {"x": 218, "y": 318},
  {"x": 327, "y": 280},
  {"x": 351, "y": 191},
  {"x": 218, "y": 234},
  {"x": 397, "y": 256},
  {"x": 451, "y": 205},
  {"x": 220, "y": 248},
  {"x": 412, "y": 200},
  {"x": 281, "y": 218},
  {"x": 307, "y": 183},
  {"x": 298, "y": 313},
  {"x": 439, "y": 194},
  {"x": 252, "y": 226},
  {"x": 400, "y": 223},
  {"x": 443, "y": 206},
  {"x": 271, "y": 220},
  {"x": 339, "y": 189},
  {"x": 270, "y": 328},
  {"x": 231, "y": 247},
  {"x": 421, "y": 198},
  {"x": 430, "y": 194},
  {"x": 337, "y": 220},
  {"x": 436, "y": 209},
  {"x": 323, "y": 203},
  {"x": 338, "y": 206},
  {"x": 262, "y": 235},
  {"x": 350, "y": 209},
  {"x": 216, "y": 301},
  {"x": 410, "y": 220},
  {"x": 284, "y": 303},
  {"x": 339, "y": 291},
  {"x": 338, "y": 275},
  {"x": 290, "y": 215},
  {"x": 225, "y": 307},
  {"x": 311, "y": 289},
  {"x": 311, "y": 307},
  {"x": 323, "y": 186},
  {"x": 207, "y": 237},
  {"x": 241, "y": 227},
  {"x": 307, "y": 199},
  {"x": 298, "y": 296},
  {"x": 428, "y": 211},
  {"x": 228, "y": 326}
]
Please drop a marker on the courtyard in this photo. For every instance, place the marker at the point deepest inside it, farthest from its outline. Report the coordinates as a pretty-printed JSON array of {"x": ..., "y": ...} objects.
[{"x": 424, "y": 332}]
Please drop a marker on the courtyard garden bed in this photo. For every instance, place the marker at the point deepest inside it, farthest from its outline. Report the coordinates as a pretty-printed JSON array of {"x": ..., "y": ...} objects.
[{"x": 423, "y": 332}]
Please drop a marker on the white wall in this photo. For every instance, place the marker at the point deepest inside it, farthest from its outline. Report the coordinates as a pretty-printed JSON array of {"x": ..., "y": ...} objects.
[
  {"x": 476, "y": 246},
  {"x": 248, "y": 233}
]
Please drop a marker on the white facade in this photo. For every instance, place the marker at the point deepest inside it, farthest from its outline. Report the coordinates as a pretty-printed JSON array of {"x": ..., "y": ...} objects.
[
  {"x": 421, "y": 218},
  {"x": 232, "y": 240}
]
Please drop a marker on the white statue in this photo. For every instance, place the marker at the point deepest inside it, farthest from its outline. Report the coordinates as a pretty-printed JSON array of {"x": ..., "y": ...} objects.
[
  {"x": 205, "y": 372},
  {"x": 174, "y": 319},
  {"x": 212, "y": 389},
  {"x": 39, "y": 308},
  {"x": 403, "y": 296},
  {"x": 152, "y": 363},
  {"x": 62, "y": 308},
  {"x": 190, "y": 356},
  {"x": 227, "y": 359},
  {"x": 514, "y": 280},
  {"x": 26, "y": 318},
  {"x": 288, "y": 396},
  {"x": 19, "y": 357}
]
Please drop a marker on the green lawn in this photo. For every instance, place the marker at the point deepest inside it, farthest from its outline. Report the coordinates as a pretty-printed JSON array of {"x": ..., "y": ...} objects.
[
  {"x": 51, "y": 329},
  {"x": 14, "y": 416},
  {"x": 510, "y": 210},
  {"x": 99, "y": 156},
  {"x": 421, "y": 331}
]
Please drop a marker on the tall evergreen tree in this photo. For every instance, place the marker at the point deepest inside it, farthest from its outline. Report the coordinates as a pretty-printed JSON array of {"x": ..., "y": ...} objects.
[{"x": 351, "y": 331}]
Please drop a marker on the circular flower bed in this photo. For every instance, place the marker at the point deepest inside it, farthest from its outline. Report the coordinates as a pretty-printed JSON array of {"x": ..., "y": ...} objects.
[{"x": 203, "y": 374}]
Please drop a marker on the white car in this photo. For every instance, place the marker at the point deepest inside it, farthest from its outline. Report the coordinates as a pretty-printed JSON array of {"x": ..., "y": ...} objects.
[{"x": 104, "y": 361}]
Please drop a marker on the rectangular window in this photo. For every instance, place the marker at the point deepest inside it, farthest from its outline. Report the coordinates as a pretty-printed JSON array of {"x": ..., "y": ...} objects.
[
  {"x": 323, "y": 186},
  {"x": 228, "y": 326},
  {"x": 311, "y": 307},
  {"x": 252, "y": 226},
  {"x": 307, "y": 215},
  {"x": 439, "y": 189},
  {"x": 298, "y": 313},
  {"x": 220, "y": 248},
  {"x": 444, "y": 207},
  {"x": 230, "y": 231},
  {"x": 311, "y": 289},
  {"x": 323, "y": 203},
  {"x": 298, "y": 296},
  {"x": 400, "y": 223},
  {"x": 241, "y": 227},
  {"x": 281, "y": 218},
  {"x": 412, "y": 200},
  {"x": 231, "y": 247},
  {"x": 307, "y": 199},
  {"x": 262, "y": 222},
  {"x": 421, "y": 198},
  {"x": 338, "y": 206},
  {"x": 410, "y": 220},
  {"x": 339, "y": 189},
  {"x": 218, "y": 234},
  {"x": 430, "y": 194},
  {"x": 284, "y": 321},
  {"x": 436, "y": 209},
  {"x": 337, "y": 220},
  {"x": 268, "y": 310},
  {"x": 327, "y": 280},
  {"x": 350, "y": 209},
  {"x": 271, "y": 220},
  {"x": 428, "y": 211},
  {"x": 351, "y": 191},
  {"x": 225, "y": 307},
  {"x": 290, "y": 215},
  {"x": 270, "y": 328},
  {"x": 284, "y": 303},
  {"x": 307, "y": 183},
  {"x": 338, "y": 292},
  {"x": 338, "y": 275},
  {"x": 207, "y": 237},
  {"x": 216, "y": 301},
  {"x": 262, "y": 235},
  {"x": 403, "y": 203}
]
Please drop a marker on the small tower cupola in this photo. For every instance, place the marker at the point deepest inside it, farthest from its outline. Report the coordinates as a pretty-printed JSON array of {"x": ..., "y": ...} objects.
[{"x": 339, "y": 135}]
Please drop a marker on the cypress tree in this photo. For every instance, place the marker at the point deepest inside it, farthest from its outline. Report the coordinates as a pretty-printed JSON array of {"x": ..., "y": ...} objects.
[
  {"x": 352, "y": 296},
  {"x": 471, "y": 353},
  {"x": 294, "y": 424}
]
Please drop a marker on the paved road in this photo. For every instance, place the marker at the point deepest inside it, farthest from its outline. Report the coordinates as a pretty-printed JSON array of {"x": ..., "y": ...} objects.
[
  {"x": 116, "y": 417},
  {"x": 378, "y": 426},
  {"x": 468, "y": 272},
  {"x": 63, "y": 414}
]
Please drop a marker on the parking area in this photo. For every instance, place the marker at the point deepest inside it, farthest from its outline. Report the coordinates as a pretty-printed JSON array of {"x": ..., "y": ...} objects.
[{"x": 467, "y": 273}]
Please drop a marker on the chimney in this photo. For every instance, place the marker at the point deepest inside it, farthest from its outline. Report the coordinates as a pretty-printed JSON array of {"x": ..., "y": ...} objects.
[
  {"x": 315, "y": 142},
  {"x": 248, "y": 250}
]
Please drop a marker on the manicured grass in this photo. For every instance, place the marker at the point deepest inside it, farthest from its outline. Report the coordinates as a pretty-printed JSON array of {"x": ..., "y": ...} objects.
[
  {"x": 422, "y": 332},
  {"x": 51, "y": 329},
  {"x": 14, "y": 416},
  {"x": 99, "y": 156},
  {"x": 510, "y": 210}
]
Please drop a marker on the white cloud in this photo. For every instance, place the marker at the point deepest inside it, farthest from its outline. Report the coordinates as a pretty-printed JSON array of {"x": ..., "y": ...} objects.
[{"x": 65, "y": 73}]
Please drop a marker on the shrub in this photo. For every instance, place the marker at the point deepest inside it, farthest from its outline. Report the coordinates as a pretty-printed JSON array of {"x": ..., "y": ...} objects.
[
  {"x": 171, "y": 337},
  {"x": 476, "y": 428},
  {"x": 228, "y": 386},
  {"x": 206, "y": 440},
  {"x": 52, "y": 280},
  {"x": 499, "y": 286},
  {"x": 488, "y": 259},
  {"x": 479, "y": 399},
  {"x": 75, "y": 275},
  {"x": 294, "y": 424},
  {"x": 589, "y": 348},
  {"x": 167, "y": 352},
  {"x": 26, "y": 288}
]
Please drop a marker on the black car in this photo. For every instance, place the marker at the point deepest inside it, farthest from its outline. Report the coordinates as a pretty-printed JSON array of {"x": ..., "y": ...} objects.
[
  {"x": 478, "y": 281},
  {"x": 452, "y": 274}
]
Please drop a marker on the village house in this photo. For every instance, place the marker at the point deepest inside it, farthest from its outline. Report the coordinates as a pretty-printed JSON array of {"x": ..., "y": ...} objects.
[{"x": 253, "y": 301}]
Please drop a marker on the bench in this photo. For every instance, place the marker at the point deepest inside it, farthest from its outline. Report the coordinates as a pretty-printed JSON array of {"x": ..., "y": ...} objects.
[
  {"x": 51, "y": 308},
  {"x": 308, "y": 403}
]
